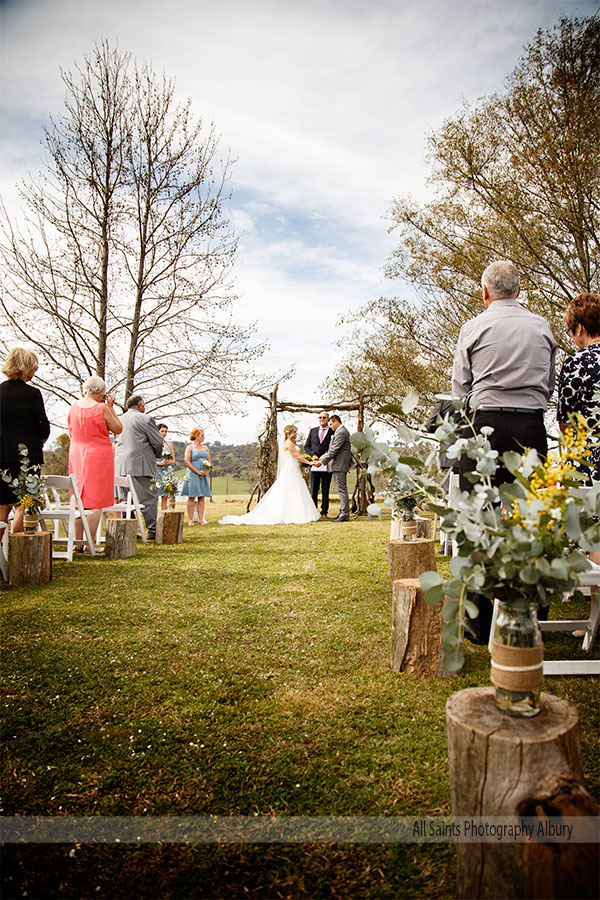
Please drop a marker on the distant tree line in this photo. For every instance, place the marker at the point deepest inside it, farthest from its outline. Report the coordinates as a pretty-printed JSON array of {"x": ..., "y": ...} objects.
[{"x": 229, "y": 460}]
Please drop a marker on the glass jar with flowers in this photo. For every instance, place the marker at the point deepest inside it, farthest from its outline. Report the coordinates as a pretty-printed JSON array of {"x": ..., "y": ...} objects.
[
  {"x": 523, "y": 544},
  {"x": 170, "y": 485}
]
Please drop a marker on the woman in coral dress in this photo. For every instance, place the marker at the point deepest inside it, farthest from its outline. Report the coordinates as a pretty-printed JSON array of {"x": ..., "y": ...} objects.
[{"x": 91, "y": 456}]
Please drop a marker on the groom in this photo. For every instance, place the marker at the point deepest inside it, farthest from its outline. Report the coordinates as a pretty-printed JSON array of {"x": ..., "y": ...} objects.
[
  {"x": 340, "y": 456},
  {"x": 317, "y": 443}
]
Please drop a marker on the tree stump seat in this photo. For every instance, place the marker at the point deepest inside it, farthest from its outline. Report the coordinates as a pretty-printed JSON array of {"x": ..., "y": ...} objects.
[
  {"x": 169, "y": 527},
  {"x": 30, "y": 558},
  {"x": 121, "y": 537}
]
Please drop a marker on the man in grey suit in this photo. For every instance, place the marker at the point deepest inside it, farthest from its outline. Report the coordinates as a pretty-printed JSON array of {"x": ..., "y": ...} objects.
[
  {"x": 136, "y": 450},
  {"x": 340, "y": 457}
]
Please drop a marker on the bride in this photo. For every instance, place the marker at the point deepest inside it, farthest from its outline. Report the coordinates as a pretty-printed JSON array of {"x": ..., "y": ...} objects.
[{"x": 288, "y": 500}]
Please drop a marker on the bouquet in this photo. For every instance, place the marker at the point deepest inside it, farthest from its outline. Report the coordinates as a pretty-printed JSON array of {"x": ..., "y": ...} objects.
[
  {"x": 29, "y": 485},
  {"x": 207, "y": 465},
  {"x": 166, "y": 452}
]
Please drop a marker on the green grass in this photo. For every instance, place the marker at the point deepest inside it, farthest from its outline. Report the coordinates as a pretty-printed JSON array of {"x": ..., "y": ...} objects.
[{"x": 244, "y": 671}]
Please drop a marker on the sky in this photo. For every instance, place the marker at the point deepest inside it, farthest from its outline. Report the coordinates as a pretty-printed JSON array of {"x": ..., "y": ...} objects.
[{"x": 325, "y": 106}]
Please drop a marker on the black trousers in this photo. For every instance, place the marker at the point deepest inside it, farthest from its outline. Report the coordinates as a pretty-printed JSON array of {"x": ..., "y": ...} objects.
[
  {"x": 513, "y": 430},
  {"x": 320, "y": 481}
]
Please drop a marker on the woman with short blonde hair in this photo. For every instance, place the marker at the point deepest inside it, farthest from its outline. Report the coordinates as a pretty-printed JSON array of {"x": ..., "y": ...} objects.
[{"x": 24, "y": 421}]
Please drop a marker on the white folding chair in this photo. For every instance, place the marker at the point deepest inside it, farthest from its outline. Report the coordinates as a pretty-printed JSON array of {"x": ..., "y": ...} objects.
[
  {"x": 64, "y": 515},
  {"x": 4, "y": 550},
  {"x": 125, "y": 507},
  {"x": 448, "y": 547}
]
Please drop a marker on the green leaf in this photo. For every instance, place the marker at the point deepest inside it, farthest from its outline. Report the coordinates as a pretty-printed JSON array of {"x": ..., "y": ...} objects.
[
  {"x": 529, "y": 575},
  {"x": 471, "y": 609},
  {"x": 512, "y": 461},
  {"x": 559, "y": 569},
  {"x": 359, "y": 440},
  {"x": 433, "y": 587},
  {"x": 450, "y": 635},
  {"x": 391, "y": 408},
  {"x": 453, "y": 660},
  {"x": 449, "y": 610}
]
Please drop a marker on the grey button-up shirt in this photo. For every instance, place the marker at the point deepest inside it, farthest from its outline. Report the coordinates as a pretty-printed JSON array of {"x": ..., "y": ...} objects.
[{"x": 505, "y": 357}]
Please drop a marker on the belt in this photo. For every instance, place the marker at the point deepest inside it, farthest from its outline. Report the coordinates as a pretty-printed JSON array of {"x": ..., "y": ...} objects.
[{"x": 514, "y": 410}]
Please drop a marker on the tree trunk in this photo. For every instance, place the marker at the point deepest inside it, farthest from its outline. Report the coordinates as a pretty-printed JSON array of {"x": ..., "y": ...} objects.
[
  {"x": 510, "y": 767},
  {"x": 169, "y": 527},
  {"x": 409, "y": 559},
  {"x": 120, "y": 540},
  {"x": 416, "y": 632},
  {"x": 30, "y": 558}
]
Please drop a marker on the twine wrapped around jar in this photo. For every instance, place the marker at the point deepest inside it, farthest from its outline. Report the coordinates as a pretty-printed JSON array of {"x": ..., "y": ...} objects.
[
  {"x": 30, "y": 523},
  {"x": 517, "y": 668},
  {"x": 517, "y": 659}
]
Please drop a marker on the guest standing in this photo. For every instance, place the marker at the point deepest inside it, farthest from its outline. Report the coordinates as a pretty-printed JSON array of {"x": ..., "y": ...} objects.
[
  {"x": 164, "y": 463},
  {"x": 136, "y": 450},
  {"x": 197, "y": 487},
  {"x": 505, "y": 359},
  {"x": 579, "y": 381},
  {"x": 91, "y": 457},
  {"x": 24, "y": 421},
  {"x": 317, "y": 444}
]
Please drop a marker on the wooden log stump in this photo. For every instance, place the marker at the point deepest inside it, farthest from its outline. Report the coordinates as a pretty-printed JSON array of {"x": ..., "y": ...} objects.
[
  {"x": 120, "y": 540},
  {"x": 416, "y": 632},
  {"x": 169, "y": 527},
  {"x": 30, "y": 558},
  {"x": 505, "y": 766},
  {"x": 409, "y": 559}
]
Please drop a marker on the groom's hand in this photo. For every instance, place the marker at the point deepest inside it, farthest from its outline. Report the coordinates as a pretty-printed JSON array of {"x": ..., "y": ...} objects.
[{"x": 317, "y": 462}]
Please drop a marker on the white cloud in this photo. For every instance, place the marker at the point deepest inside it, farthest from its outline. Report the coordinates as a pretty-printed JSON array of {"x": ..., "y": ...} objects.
[{"x": 325, "y": 106}]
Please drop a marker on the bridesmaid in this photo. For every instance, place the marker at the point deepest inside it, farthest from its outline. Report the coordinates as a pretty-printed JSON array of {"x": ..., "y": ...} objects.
[
  {"x": 164, "y": 463},
  {"x": 198, "y": 487}
]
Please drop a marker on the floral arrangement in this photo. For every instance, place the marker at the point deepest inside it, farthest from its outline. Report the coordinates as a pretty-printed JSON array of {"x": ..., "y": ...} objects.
[
  {"x": 207, "y": 465},
  {"x": 169, "y": 483},
  {"x": 522, "y": 542},
  {"x": 166, "y": 452},
  {"x": 29, "y": 485}
]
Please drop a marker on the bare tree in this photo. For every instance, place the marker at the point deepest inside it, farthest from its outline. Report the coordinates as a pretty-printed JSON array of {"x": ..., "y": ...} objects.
[{"x": 122, "y": 262}]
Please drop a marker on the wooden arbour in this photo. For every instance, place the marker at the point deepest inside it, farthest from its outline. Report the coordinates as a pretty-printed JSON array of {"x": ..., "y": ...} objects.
[{"x": 268, "y": 447}]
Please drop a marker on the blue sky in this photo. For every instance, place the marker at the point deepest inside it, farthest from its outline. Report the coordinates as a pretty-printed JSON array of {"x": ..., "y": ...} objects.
[{"x": 324, "y": 105}]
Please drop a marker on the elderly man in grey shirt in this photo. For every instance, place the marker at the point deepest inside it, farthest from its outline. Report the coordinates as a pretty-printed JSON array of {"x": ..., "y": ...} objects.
[{"x": 505, "y": 359}]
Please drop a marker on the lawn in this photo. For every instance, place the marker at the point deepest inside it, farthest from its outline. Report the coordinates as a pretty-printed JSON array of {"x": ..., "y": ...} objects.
[{"x": 242, "y": 672}]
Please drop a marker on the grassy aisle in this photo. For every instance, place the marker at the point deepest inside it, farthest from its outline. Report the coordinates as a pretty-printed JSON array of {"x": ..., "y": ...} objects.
[{"x": 244, "y": 671}]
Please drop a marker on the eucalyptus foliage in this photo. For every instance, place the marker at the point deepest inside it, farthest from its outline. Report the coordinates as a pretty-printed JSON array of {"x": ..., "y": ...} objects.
[
  {"x": 29, "y": 485},
  {"x": 521, "y": 542}
]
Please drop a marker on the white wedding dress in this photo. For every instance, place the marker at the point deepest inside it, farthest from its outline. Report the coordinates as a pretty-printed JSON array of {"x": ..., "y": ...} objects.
[{"x": 287, "y": 502}]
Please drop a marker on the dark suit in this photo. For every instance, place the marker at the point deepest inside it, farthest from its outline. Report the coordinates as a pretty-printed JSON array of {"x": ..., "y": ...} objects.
[
  {"x": 23, "y": 420},
  {"x": 319, "y": 479}
]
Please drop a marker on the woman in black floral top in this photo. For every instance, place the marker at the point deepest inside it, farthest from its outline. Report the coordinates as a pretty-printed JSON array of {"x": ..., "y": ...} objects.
[{"x": 579, "y": 383}]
